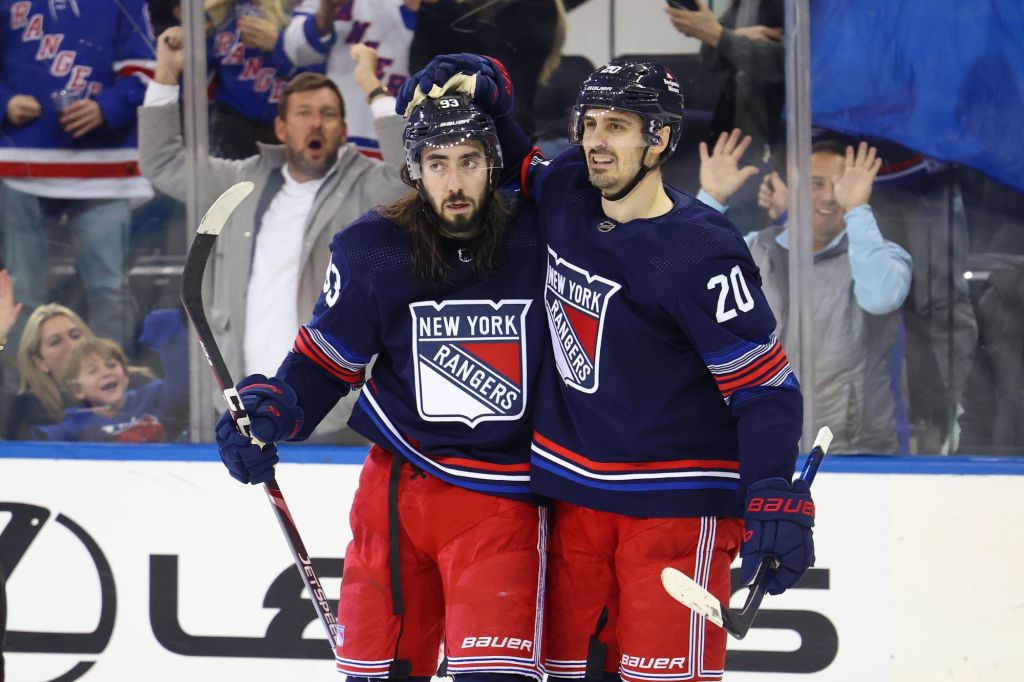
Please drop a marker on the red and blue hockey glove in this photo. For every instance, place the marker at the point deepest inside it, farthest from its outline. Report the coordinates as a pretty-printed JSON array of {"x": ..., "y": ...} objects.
[
  {"x": 245, "y": 461},
  {"x": 493, "y": 91},
  {"x": 273, "y": 407},
  {"x": 778, "y": 521}
]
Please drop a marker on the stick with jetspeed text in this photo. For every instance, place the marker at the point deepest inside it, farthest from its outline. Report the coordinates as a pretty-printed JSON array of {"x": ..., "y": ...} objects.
[
  {"x": 737, "y": 621},
  {"x": 192, "y": 297}
]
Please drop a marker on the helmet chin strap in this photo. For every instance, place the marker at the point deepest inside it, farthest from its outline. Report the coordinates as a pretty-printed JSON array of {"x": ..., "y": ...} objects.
[{"x": 640, "y": 175}]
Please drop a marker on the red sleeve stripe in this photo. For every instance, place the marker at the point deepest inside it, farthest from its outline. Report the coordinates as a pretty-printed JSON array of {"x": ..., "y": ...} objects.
[
  {"x": 524, "y": 171},
  {"x": 763, "y": 378},
  {"x": 767, "y": 364},
  {"x": 664, "y": 465},
  {"x": 305, "y": 345}
]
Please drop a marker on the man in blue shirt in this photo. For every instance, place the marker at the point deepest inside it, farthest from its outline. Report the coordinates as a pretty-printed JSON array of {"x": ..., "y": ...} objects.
[{"x": 861, "y": 281}]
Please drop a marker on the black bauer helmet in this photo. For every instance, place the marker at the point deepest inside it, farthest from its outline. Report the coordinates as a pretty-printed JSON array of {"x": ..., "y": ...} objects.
[
  {"x": 447, "y": 121},
  {"x": 643, "y": 88}
]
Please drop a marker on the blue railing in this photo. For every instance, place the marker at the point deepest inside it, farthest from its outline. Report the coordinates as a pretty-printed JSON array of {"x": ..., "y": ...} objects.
[{"x": 327, "y": 454}]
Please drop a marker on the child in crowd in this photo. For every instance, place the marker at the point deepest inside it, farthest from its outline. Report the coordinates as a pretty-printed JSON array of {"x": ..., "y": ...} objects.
[{"x": 96, "y": 374}]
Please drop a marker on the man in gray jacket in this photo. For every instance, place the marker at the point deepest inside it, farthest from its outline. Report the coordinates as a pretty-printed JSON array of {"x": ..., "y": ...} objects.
[
  {"x": 270, "y": 260},
  {"x": 860, "y": 282}
]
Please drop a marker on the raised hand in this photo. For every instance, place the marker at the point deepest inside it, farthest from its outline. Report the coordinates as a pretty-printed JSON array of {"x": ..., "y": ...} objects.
[
  {"x": 258, "y": 33},
  {"x": 325, "y": 14},
  {"x": 170, "y": 56},
  {"x": 365, "y": 71},
  {"x": 720, "y": 172},
  {"x": 8, "y": 308},
  {"x": 773, "y": 195},
  {"x": 702, "y": 24},
  {"x": 22, "y": 109},
  {"x": 853, "y": 187}
]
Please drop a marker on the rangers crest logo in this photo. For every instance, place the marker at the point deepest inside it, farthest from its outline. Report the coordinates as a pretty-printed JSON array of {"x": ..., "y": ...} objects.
[
  {"x": 576, "y": 303},
  {"x": 470, "y": 360}
]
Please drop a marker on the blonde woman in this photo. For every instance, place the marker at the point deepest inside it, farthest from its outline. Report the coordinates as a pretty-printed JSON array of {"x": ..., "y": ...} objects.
[{"x": 51, "y": 331}]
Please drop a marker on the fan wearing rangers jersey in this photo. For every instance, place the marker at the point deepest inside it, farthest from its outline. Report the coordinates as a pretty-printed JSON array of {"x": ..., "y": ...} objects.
[
  {"x": 441, "y": 288},
  {"x": 325, "y": 30},
  {"x": 671, "y": 414},
  {"x": 71, "y": 76}
]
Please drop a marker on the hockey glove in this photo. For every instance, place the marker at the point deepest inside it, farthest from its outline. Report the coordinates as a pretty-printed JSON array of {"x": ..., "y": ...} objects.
[
  {"x": 445, "y": 73},
  {"x": 272, "y": 406},
  {"x": 245, "y": 461},
  {"x": 778, "y": 521}
]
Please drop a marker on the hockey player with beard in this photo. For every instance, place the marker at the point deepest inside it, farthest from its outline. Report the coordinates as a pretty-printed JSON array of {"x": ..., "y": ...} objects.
[
  {"x": 440, "y": 287},
  {"x": 672, "y": 415}
]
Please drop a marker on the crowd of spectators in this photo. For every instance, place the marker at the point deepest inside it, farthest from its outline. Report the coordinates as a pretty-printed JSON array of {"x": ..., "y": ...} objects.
[{"x": 917, "y": 263}]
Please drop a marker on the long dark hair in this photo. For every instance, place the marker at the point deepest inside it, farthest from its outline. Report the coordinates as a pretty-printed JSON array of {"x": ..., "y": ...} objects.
[{"x": 432, "y": 252}]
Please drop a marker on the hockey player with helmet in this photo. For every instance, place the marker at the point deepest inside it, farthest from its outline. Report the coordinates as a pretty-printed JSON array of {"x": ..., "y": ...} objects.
[
  {"x": 672, "y": 413},
  {"x": 440, "y": 287}
]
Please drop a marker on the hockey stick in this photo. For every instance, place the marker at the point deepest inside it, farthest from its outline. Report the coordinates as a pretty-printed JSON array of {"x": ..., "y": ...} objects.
[
  {"x": 737, "y": 622},
  {"x": 192, "y": 297}
]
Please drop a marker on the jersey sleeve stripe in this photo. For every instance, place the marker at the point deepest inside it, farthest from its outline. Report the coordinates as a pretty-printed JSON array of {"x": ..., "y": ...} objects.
[
  {"x": 314, "y": 346},
  {"x": 762, "y": 378},
  {"x": 769, "y": 365},
  {"x": 749, "y": 366}
]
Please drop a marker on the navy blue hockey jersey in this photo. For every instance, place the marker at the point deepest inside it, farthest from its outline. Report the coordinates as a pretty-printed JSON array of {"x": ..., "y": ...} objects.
[
  {"x": 451, "y": 384},
  {"x": 671, "y": 392}
]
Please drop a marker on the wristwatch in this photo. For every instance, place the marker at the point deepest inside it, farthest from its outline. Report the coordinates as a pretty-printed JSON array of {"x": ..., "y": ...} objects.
[{"x": 378, "y": 91}]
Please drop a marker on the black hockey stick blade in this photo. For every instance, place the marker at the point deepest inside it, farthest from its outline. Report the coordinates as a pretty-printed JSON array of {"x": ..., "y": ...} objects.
[
  {"x": 192, "y": 298},
  {"x": 737, "y": 622}
]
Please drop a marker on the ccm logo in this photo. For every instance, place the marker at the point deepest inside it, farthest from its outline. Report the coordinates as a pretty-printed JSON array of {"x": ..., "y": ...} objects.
[
  {"x": 652, "y": 663},
  {"x": 777, "y": 504},
  {"x": 498, "y": 643}
]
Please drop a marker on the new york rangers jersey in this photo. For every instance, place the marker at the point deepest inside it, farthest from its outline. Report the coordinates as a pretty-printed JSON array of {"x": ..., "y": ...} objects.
[
  {"x": 385, "y": 25},
  {"x": 101, "y": 50},
  {"x": 248, "y": 80},
  {"x": 451, "y": 384},
  {"x": 670, "y": 391}
]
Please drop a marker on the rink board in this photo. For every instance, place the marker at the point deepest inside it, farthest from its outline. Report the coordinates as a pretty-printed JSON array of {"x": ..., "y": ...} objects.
[{"x": 917, "y": 576}]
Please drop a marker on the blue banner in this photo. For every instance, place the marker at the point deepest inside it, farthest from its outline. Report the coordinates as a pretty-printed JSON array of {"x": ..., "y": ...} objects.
[{"x": 943, "y": 78}]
